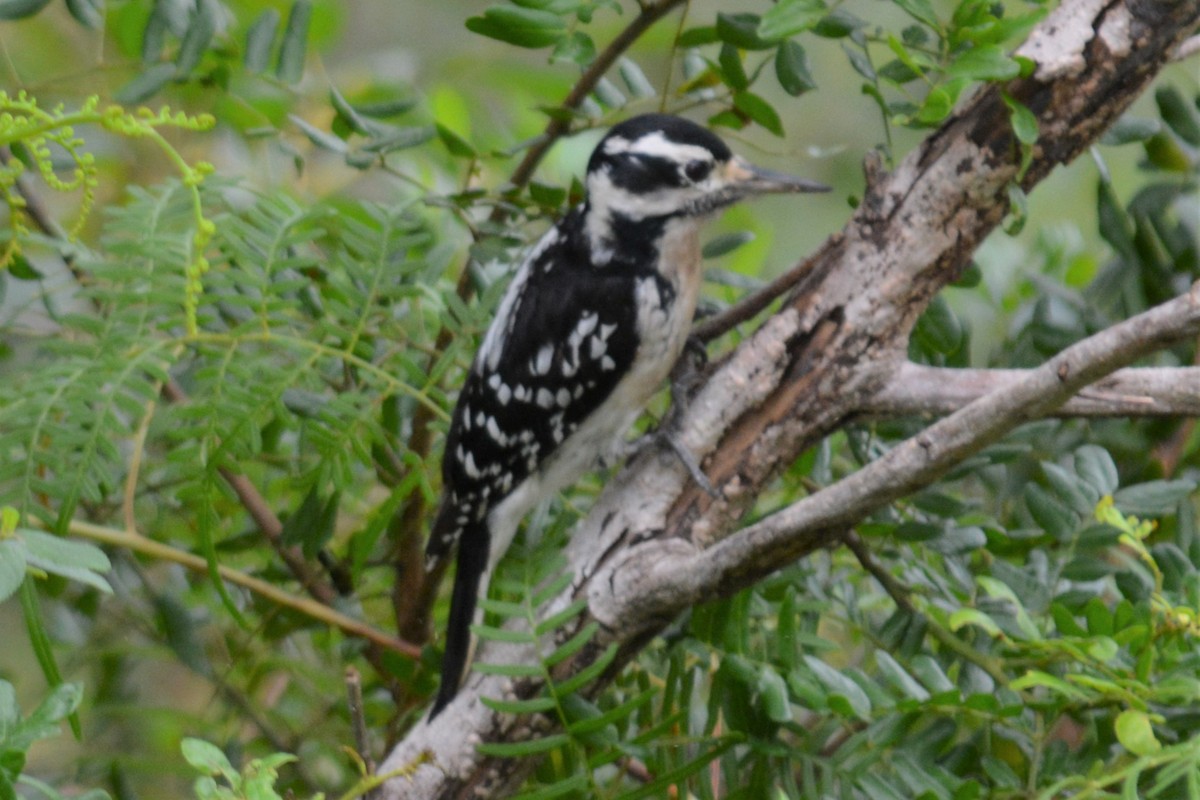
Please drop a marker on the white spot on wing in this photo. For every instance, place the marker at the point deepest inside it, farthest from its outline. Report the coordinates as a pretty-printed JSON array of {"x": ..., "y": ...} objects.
[
  {"x": 544, "y": 398},
  {"x": 541, "y": 362}
]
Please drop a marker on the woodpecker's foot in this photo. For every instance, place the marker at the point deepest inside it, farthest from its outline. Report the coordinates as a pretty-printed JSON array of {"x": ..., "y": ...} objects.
[{"x": 689, "y": 462}]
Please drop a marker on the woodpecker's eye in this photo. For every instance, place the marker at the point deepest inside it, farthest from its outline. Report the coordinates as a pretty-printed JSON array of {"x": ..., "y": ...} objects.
[{"x": 697, "y": 171}]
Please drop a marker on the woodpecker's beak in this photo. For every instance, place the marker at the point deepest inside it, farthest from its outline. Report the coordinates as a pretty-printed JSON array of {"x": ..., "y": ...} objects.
[{"x": 748, "y": 179}]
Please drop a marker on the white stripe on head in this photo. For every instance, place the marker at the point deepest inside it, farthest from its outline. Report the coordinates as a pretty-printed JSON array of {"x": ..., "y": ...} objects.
[{"x": 657, "y": 144}]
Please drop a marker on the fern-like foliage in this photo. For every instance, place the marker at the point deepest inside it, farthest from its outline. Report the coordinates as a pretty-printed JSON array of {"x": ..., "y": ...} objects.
[
  {"x": 622, "y": 743},
  {"x": 310, "y": 336}
]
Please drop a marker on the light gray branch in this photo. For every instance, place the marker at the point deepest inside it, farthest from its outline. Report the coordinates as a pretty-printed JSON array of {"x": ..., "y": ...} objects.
[{"x": 919, "y": 390}]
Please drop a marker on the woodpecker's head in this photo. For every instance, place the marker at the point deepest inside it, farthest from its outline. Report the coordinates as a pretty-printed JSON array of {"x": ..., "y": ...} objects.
[{"x": 658, "y": 166}]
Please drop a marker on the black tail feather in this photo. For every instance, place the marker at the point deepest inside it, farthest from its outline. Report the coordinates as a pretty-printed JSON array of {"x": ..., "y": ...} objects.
[{"x": 472, "y": 560}]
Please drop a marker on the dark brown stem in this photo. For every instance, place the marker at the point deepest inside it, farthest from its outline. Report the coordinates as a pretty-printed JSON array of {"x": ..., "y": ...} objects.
[{"x": 754, "y": 303}]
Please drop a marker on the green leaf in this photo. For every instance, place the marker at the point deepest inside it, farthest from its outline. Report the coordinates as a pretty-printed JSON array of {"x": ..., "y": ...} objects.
[
  {"x": 699, "y": 36},
  {"x": 520, "y": 749},
  {"x": 572, "y": 645},
  {"x": 1153, "y": 498},
  {"x": 145, "y": 84},
  {"x": 973, "y": 616},
  {"x": 741, "y": 30},
  {"x": 1080, "y": 495},
  {"x": 209, "y": 759},
  {"x": 1129, "y": 129},
  {"x": 311, "y": 525},
  {"x": 509, "y": 670},
  {"x": 939, "y": 328},
  {"x": 899, "y": 678},
  {"x": 635, "y": 80},
  {"x": 20, "y": 9},
  {"x": 202, "y": 25},
  {"x": 789, "y": 17},
  {"x": 534, "y": 705},
  {"x": 12, "y": 567},
  {"x": 840, "y": 686},
  {"x": 726, "y": 243},
  {"x": 289, "y": 68},
  {"x": 730, "y": 59},
  {"x": 921, "y": 11},
  {"x": 457, "y": 145},
  {"x": 936, "y": 107},
  {"x": 1051, "y": 516},
  {"x": 559, "y": 619},
  {"x": 1179, "y": 116},
  {"x": 510, "y": 636},
  {"x": 1135, "y": 733},
  {"x": 1024, "y": 122},
  {"x": 839, "y": 24},
  {"x": 20, "y": 268},
  {"x": 78, "y": 561},
  {"x": 88, "y": 13},
  {"x": 791, "y": 69},
  {"x": 1037, "y": 678},
  {"x": 1096, "y": 466},
  {"x": 773, "y": 691},
  {"x": 323, "y": 140},
  {"x": 259, "y": 40},
  {"x": 399, "y": 138},
  {"x": 576, "y": 48},
  {"x": 986, "y": 63},
  {"x": 930, "y": 674},
  {"x": 523, "y": 27},
  {"x": 1002, "y": 591},
  {"x": 758, "y": 110},
  {"x": 589, "y": 673}
]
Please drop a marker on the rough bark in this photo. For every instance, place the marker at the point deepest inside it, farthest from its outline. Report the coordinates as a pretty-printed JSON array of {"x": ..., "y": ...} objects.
[{"x": 655, "y": 543}]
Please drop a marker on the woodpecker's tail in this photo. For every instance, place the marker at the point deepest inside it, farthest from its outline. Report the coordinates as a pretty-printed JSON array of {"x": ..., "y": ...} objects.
[{"x": 472, "y": 561}]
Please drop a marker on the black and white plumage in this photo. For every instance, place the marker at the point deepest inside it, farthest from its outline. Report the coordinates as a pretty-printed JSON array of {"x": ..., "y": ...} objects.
[{"x": 588, "y": 331}]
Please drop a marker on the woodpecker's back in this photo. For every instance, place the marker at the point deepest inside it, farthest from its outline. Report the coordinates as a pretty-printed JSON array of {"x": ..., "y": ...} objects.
[{"x": 587, "y": 332}]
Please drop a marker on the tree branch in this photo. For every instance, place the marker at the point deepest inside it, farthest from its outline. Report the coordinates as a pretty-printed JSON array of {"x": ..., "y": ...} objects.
[
  {"x": 135, "y": 542},
  {"x": 758, "y": 550},
  {"x": 918, "y": 390}
]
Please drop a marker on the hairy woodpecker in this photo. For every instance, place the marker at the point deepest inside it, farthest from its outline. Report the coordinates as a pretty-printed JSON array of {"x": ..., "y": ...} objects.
[{"x": 588, "y": 331}]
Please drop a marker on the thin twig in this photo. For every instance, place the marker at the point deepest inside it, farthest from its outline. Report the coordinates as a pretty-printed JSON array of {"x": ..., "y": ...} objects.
[
  {"x": 311, "y": 608},
  {"x": 755, "y": 302},
  {"x": 358, "y": 723}
]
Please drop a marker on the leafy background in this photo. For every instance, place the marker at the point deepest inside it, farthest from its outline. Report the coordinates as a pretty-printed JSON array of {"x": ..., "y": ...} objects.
[{"x": 1006, "y": 633}]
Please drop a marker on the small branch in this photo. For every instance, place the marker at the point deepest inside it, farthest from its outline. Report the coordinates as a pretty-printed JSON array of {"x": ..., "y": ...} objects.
[
  {"x": 752, "y": 304},
  {"x": 918, "y": 390},
  {"x": 358, "y": 723},
  {"x": 311, "y": 608},
  {"x": 761, "y": 548}
]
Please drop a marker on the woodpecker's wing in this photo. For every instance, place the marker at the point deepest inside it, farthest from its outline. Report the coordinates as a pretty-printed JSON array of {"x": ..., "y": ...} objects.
[{"x": 564, "y": 336}]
